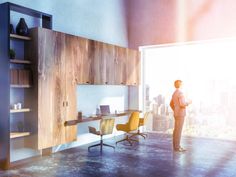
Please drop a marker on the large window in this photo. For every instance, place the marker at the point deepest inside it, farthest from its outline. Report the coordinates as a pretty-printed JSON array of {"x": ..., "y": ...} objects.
[{"x": 208, "y": 70}]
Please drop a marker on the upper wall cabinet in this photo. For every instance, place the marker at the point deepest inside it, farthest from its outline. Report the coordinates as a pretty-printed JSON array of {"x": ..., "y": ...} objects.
[{"x": 78, "y": 49}]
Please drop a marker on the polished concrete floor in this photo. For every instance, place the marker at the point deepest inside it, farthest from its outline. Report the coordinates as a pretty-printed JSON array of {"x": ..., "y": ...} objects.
[{"x": 152, "y": 157}]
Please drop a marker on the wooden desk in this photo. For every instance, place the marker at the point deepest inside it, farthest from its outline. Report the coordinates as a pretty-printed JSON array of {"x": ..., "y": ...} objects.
[{"x": 98, "y": 117}]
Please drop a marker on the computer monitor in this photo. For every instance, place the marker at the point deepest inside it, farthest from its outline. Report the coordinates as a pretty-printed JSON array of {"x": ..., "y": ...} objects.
[{"x": 105, "y": 109}]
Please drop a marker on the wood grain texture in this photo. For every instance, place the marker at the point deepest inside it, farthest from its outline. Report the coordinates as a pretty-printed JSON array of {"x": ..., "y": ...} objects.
[
  {"x": 51, "y": 90},
  {"x": 98, "y": 62},
  {"x": 72, "y": 55},
  {"x": 82, "y": 62},
  {"x": 55, "y": 88},
  {"x": 120, "y": 65},
  {"x": 63, "y": 61},
  {"x": 133, "y": 67},
  {"x": 108, "y": 55}
]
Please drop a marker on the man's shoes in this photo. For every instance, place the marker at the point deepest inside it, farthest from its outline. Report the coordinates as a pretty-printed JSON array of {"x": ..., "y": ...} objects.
[{"x": 180, "y": 150}]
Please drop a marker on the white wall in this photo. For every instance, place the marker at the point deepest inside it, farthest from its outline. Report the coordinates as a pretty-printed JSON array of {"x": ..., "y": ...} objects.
[
  {"x": 94, "y": 19},
  {"x": 89, "y": 97}
]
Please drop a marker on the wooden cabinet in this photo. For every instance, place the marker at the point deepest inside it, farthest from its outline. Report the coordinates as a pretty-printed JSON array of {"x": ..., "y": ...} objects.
[
  {"x": 62, "y": 61},
  {"x": 99, "y": 63},
  {"x": 56, "y": 88}
]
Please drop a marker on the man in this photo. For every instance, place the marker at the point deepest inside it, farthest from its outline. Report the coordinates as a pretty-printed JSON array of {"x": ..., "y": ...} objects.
[{"x": 178, "y": 105}]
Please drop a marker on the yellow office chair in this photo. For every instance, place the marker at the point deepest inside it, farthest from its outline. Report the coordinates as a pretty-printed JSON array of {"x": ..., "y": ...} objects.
[
  {"x": 142, "y": 122},
  {"x": 131, "y": 125},
  {"x": 106, "y": 128}
]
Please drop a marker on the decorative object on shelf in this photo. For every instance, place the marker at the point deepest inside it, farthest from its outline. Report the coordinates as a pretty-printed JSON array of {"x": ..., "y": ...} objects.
[
  {"x": 22, "y": 28},
  {"x": 17, "y": 106},
  {"x": 20, "y": 126},
  {"x": 12, "y": 54},
  {"x": 11, "y": 29}
]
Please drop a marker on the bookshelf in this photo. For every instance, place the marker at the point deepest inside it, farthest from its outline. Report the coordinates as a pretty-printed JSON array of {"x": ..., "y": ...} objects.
[{"x": 18, "y": 91}]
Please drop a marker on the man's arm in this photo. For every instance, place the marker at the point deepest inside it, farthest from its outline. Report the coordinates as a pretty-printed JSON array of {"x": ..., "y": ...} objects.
[
  {"x": 182, "y": 101},
  {"x": 172, "y": 105}
]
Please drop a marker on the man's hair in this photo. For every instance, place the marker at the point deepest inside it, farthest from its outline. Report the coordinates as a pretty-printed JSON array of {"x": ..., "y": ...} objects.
[{"x": 178, "y": 83}]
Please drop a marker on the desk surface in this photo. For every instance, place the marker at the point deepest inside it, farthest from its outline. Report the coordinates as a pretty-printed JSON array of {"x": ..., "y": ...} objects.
[{"x": 99, "y": 117}]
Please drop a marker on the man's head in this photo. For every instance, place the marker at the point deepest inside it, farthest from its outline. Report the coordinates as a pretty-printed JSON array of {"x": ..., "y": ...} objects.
[{"x": 178, "y": 83}]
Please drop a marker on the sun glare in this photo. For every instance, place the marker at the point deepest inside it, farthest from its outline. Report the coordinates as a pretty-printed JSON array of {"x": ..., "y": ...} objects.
[{"x": 208, "y": 70}]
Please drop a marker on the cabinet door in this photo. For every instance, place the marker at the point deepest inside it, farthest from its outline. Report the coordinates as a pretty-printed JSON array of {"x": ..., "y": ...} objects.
[
  {"x": 56, "y": 90},
  {"x": 98, "y": 62},
  {"x": 108, "y": 54},
  {"x": 82, "y": 62},
  {"x": 51, "y": 89},
  {"x": 70, "y": 100},
  {"x": 120, "y": 65},
  {"x": 133, "y": 67}
]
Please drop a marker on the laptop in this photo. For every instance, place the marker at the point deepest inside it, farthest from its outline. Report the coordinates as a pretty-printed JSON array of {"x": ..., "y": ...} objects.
[{"x": 105, "y": 109}]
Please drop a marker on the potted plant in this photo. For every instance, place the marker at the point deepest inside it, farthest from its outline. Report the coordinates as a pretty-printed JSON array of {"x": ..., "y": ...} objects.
[{"x": 12, "y": 54}]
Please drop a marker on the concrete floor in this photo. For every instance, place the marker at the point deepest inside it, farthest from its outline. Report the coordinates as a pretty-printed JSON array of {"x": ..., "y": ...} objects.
[{"x": 152, "y": 157}]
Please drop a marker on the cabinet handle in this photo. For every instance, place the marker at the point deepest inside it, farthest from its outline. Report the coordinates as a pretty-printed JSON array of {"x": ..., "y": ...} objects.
[
  {"x": 106, "y": 82},
  {"x": 63, "y": 104},
  {"x": 67, "y": 103},
  {"x": 87, "y": 82}
]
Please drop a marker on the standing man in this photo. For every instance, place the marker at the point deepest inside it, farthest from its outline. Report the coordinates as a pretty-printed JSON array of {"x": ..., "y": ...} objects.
[{"x": 178, "y": 104}]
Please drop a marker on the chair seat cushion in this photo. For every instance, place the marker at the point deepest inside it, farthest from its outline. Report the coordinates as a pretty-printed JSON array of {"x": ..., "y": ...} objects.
[{"x": 122, "y": 127}]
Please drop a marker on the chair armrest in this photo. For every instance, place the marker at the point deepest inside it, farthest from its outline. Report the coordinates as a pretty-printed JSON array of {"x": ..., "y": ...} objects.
[{"x": 93, "y": 131}]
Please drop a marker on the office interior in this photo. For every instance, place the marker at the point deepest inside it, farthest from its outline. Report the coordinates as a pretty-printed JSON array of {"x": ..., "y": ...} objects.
[{"x": 111, "y": 62}]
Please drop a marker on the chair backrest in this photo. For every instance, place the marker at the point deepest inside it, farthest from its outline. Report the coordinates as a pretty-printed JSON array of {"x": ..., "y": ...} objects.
[
  {"x": 106, "y": 126},
  {"x": 145, "y": 117},
  {"x": 133, "y": 121}
]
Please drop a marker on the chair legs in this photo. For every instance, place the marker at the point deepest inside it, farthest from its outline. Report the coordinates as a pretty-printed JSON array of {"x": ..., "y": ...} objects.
[
  {"x": 127, "y": 138},
  {"x": 144, "y": 135},
  {"x": 101, "y": 144}
]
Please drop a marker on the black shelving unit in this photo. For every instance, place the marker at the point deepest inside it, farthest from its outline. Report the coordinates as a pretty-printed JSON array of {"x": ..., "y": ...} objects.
[{"x": 5, "y": 61}]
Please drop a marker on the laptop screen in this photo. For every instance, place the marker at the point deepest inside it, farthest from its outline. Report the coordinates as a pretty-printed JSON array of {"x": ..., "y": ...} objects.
[{"x": 105, "y": 109}]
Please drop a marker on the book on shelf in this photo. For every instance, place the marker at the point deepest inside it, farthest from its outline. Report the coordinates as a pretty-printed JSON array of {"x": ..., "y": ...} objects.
[
  {"x": 21, "y": 77},
  {"x": 14, "y": 76},
  {"x": 24, "y": 77}
]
